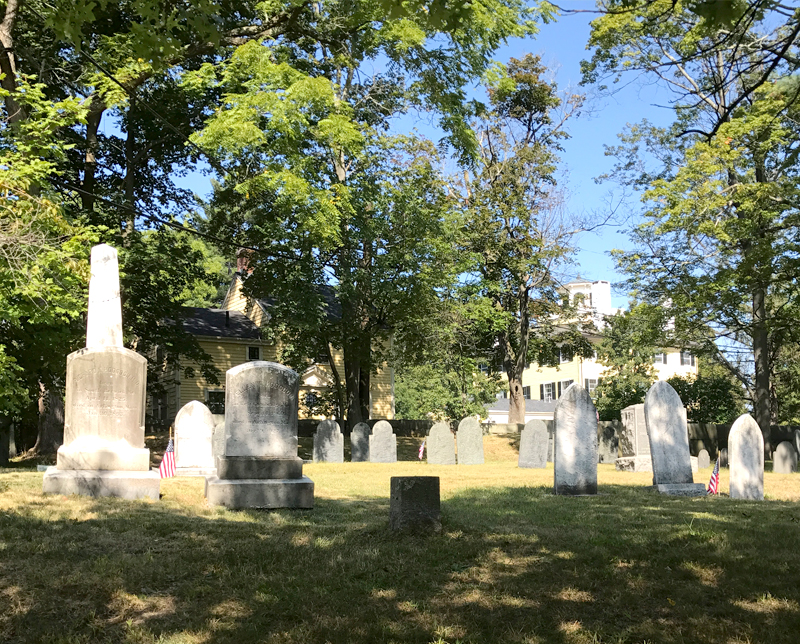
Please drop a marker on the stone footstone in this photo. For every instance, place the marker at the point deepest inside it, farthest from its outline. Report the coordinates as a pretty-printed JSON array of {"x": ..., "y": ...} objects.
[
  {"x": 382, "y": 443},
  {"x": 328, "y": 443},
  {"x": 784, "y": 459},
  {"x": 682, "y": 489},
  {"x": 533, "y": 444},
  {"x": 123, "y": 484},
  {"x": 575, "y": 465},
  {"x": 694, "y": 463},
  {"x": 359, "y": 443},
  {"x": 194, "y": 435},
  {"x": 259, "y": 466},
  {"x": 414, "y": 504},
  {"x": 746, "y": 459},
  {"x": 665, "y": 418},
  {"x": 441, "y": 445},
  {"x": 469, "y": 438},
  {"x": 703, "y": 459}
]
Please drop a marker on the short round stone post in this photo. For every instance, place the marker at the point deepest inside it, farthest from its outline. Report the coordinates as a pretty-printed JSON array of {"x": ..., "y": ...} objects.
[{"x": 414, "y": 504}]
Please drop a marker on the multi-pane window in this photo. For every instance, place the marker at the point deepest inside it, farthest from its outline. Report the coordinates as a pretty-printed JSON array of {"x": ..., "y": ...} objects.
[
  {"x": 215, "y": 401},
  {"x": 590, "y": 384},
  {"x": 565, "y": 355},
  {"x": 254, "y": 353},
  {"x": 660, "y": 358},
  {"x": 563, "y": 385},
  {"x": 547, "y": 391},
  {"x": 687, "y": 359},
  {"x": 526, "y": 392}
]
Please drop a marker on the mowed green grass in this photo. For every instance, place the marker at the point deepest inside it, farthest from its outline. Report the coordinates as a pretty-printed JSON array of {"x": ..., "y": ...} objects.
[{"x": 513, "y": 563}]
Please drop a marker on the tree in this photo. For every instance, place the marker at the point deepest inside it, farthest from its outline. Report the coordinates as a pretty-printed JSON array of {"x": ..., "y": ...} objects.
[
  {"x": 516, "y": 233},
  {"x": 710, "y": 398},
  {"x": 718, "y": 245},
  {"x": 343, "y": 222}
]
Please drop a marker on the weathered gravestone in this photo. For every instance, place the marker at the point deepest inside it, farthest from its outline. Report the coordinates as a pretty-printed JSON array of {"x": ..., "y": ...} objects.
[
  {"x": 218, "y": 441},
  {"x": 259, "y": 466},
  {"x": 796, "y": 441},
  {"x": 575, "y": 464},
  {"x": 746, "y": 459},
  {"x": 634, "y": 445},
  {"x": 723, "y": 457},
  {"x": 703, "y": 459},
  {"x": 665, "y": 418},
  {"x": 328, "y": 443},
  {"x": 441, "y": 445},
  {"x": 359, "y": 443},
  {"x": 382, "y": 443},
  {"x": 469, "y": 439},
  {"x": 414, "y": 505},
  {"x": 103, "y": 452},
  {"x": 194, "y": 434},
  {"x": 533, "y": 445},
  {"x": 607, "y": 442},
  {"x": 784, "y": 458}
]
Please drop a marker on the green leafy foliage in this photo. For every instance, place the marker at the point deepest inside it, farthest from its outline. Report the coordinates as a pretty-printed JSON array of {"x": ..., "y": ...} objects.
[{"x": 713, "y": 398}]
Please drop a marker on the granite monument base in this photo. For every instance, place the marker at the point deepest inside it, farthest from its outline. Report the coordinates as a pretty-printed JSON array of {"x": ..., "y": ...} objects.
[
  {"x": 682, "y": 489},
  {"x": 260, "y": 493},
  {"x": 122, "y": 483},
  {"x": 634, "y": 464},
  {"x": 85, "y": 455},
  {"x": 414, "y": 504}
]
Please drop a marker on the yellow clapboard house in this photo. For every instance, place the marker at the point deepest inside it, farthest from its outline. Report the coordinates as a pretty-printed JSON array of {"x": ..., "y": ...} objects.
[{"x": 231, "y": 335}]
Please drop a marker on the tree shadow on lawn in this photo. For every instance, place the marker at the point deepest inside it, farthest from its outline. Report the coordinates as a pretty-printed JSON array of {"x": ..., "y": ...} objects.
[{"x": 511, "y": 565}]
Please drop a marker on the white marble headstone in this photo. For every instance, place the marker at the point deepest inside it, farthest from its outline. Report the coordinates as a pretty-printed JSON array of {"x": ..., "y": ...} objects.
[
  {"x": 194, "y": 432},
  {"x": 665, "y": 417},
  {"x": 746, "y": 459},
  {"x": 575, "y": 466}
]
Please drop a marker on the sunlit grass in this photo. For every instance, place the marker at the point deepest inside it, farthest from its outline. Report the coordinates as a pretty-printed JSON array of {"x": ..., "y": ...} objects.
[{"x": 513, "y": 564}]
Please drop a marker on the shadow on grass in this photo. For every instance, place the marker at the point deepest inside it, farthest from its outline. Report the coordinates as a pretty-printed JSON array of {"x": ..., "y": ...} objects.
[{"x": 512, "y": 565}]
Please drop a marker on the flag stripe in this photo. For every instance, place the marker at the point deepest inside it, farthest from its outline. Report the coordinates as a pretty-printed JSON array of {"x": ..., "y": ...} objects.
[
  {"x": 713, "y": 484},
  {"x": 167, "y": 467}
]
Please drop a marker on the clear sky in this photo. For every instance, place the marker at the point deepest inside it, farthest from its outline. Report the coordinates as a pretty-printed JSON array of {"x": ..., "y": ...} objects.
[{"x": 562, "y": 45}]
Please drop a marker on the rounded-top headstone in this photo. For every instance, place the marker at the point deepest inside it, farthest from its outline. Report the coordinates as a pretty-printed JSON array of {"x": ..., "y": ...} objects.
[
  {"x": 382, "y": 443},
  {"x": 784, "y": 459},
  {"x": 665, "y": 418},
  {"x": 261, "y": 410},
  {"x": 575, "y": 465},
  {"x": 194, "y": 431},
  {"x": 469, "y": 438},
  {"x": 703, "y": 459},
  {"x": 746, "y": 459},
  {"x": 328, "y": 443},
  {"x": 359, "y": 443},
  {"x": 441, "y": 445},
  {"x": 533, "y": 445}
]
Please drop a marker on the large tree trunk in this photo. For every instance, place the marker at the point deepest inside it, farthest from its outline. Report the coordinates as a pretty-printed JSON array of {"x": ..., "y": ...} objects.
[
  {"x": 51, "y": 423},
  {"x": 93, "y": 119},
  {"x": 761, "y": 404},
  {"x": 8, "y": 63},
  {"x": 352, "y": 383},
  {"x": 516, "y": 400}
]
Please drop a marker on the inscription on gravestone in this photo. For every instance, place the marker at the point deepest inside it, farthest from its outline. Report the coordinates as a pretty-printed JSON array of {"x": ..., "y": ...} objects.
[
  {"x": 261, "y": 410},
  {"x": 575, "y": 466}
]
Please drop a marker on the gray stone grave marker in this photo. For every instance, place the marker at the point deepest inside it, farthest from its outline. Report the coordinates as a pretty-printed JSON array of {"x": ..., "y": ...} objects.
[
  {"x": 194, "y": 434},
  {"x": 665, "y": 418},
  {"x": 784, "y": 458},
  {"x": 359, "y": 443},
  {"x": 533, "y": 445},
  {"x": 469, "y": 438},
  {"x": 703, "y": 459},
  {"x": 634, "y": 445},
  {"x": 441, "y": 445},
  {"x": 328, "y": 443},
  {"x": 382, "y": 443},
  {"x": 103, "y": 452},
  {"x": 607, "y": 442},
  {"x": 746, "y": 459},
  {"x": 414, "y": 504},
  {"x": 575, "y": 465},
  {"x": 259, "y": 466}
]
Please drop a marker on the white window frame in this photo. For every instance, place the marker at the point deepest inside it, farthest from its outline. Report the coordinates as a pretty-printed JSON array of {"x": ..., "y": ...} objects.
[
  {"x": 687, "y": 359},
  {"x": 590, "y": 384},
  {"x": 258, "y": 349},
  {"x": 551, "y": 395},
  {"x": 660, "y": 358}
]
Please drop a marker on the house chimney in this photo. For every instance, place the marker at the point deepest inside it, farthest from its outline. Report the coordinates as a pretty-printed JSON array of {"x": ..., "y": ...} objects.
[
  {"x": 243, "y": 261},
  {"x": 227, "y": 318}
]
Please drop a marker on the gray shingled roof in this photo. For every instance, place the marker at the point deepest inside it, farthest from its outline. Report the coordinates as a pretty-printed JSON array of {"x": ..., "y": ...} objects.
[
  {"x": 219, "y": 323},
  {"x": 501, "y": 404}
]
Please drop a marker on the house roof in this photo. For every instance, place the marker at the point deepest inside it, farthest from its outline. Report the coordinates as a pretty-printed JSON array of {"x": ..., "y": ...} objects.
[
  {"x": 219, "y": 323},
  {"x": 502, "y": 404},
  {"x": 333, "y": 309}
]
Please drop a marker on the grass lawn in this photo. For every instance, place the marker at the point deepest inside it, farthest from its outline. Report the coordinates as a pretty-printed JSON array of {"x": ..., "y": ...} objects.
[{"x": 513, "y": 564}]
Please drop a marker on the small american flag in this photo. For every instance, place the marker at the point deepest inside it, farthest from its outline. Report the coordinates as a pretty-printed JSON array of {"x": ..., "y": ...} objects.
[
  {"x": 713, "y": 484},
  {"x": 167, "y": 467},
  {"x": 422, "y": 449}
]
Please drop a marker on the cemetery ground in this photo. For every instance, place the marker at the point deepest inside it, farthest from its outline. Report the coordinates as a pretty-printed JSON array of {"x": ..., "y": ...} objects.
[{"x": 514, "y": 563}]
